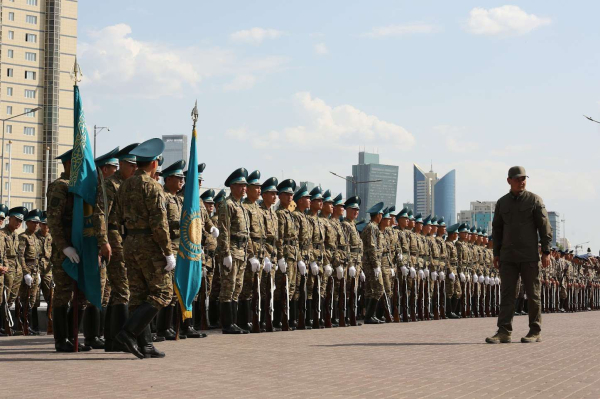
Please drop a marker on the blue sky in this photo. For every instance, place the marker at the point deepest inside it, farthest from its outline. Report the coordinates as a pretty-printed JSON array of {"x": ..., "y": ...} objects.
[{"x": 295, "y": 88}]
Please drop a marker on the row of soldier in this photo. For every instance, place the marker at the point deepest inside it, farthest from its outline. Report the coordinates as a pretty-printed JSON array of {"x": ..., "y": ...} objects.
[{"x": 266, "y": 269}]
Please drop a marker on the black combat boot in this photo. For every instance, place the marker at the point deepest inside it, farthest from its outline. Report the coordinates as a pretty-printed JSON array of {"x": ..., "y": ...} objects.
[
  {"x": 335, "y": 319},
  {"x": 525, "y": 310},
  {"x": 91, "y": 327},
  {"x": 135, "y": 325},
  {"x": 370, "y": 315},
  {"x": 146, "y": 346},
  {"x": 229, "y": 327},
  {"x": 277, "y": 315},
  {"x": 322, "y": 313},
  {"x": 108, "y": 333},
  {"x": 250, "y": 314},
  {"x": 213, "y": 315},
  {"x": 309, "y": 313},
  {"x": 518, "y": 306},
  {"x": 60, "y": 326},
  {"x": 243, "y": 315},
  {"x": 293, "y": 316},
  {"x": 34, "y": 329},
  {"x": 164, "y": 323},
  {"x": 116, "y": 321},
  {"x": 450, "y": 309},
  {"x": 71, "y": 334},
  {"x": 189, "y": 331},
  {"x": 456, "y": 307},
  {"x": 102, "y": 322}
]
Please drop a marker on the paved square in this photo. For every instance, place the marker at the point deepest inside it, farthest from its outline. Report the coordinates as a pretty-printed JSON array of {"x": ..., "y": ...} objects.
[{"x": 435, "y": 359}]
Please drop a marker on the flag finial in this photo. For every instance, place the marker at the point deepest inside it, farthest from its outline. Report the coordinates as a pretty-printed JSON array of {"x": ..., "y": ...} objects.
[
  {"x": 76, "y": 73},
  {"x": 195, "y": 114}
]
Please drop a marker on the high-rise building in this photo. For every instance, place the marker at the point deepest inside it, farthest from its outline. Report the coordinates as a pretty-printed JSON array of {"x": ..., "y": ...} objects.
[
  {"x": 554, "y": 218},
  {"x": 372, "y": 182},
  {"x": 309, "y": 185},
  {"x": 480, "y": 215},
  {"x": 38, "y": 47},
  {"x": 433, "y": 196},
  {"x": 176, "y": 148},
  {"x": 409, "y": 206}
]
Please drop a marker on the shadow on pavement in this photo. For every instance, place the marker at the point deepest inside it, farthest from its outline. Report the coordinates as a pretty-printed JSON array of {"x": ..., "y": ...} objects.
[
  {"x": 61, "y": 359},
  {"x": 401, "y": 344}
]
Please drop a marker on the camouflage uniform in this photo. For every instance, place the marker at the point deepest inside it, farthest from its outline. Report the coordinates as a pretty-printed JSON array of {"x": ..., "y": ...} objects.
[
  {"x": 29, "y": 257},
  {"x": 341, "y": 252},
  {"x": 287, "y": 249},
  {"x": 141, "y": 206},
  {"x": 373, "y": 248},
  {"x": 452, "y": 287},
  {"x": 14, "y": 276},
  {"x": 109, "y": 230},
  {"x": 234, "y": 228},
  {"x": 45, "y": 266},
  {"x": 174, "y": 204},
  {"x": 271, "y": 231},
  {"x": 356, "y": 249},
  {"x": 256, "y": 247},
  {"x": 387, "y": 260},
  {"x": 414, "y": 249},
  {"x": 215, "y": 285},
  {"x": 209, "y": 245},
  {"x": 330, "y": 254}
]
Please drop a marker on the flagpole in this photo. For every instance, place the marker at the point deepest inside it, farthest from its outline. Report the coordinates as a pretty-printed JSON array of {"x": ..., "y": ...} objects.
[{"x": 76, "y": 76}]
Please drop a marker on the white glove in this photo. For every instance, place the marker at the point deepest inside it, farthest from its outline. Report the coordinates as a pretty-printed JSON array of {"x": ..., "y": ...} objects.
[
  {"x": 28, "y": 279},
  {"x": 214, "y": 232},
  {"x": 314, "y": 268},
  {"x": 442, "y": 276},
  {"x": 487, "y": 280},
  {"x": 362, "y": 276},
  {"x": 393, "y": 272},
  {"x": 463, "y": 278},
  {"x": 71, "y": 253},
  {"x": 255, "y": 264},
  {"x": 301, "y": 268},
  {"x": 228, "y": 262},
  {"x": 497, "y": 281},
  {"x": 39, "y": 279},
  {"x": 340, "y": 272},
  {"x": 413, "y": 272},
  {"x": 171, "y": 262},
  {"x": 377, "y": 271},
  {"x": 400, "y": 256},
  {"x": 481, "y": 279},
  {"x": 434, "y": 276},
  {"x": 421, "y": 274},
  {"x": 451, "y": 276},
  {"x": 282, "y": 265},
  {"x": 268, "y": 265},
  {"x": 352, "y": 271},
  {"x": 475, "y": 278},
  {"x": 404, "y": 271},
  {"x": 426, "y": 272},
  {"x": 328, "y": 270}
]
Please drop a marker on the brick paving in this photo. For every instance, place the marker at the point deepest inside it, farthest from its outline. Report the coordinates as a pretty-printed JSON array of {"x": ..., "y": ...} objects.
[{"x": 435, "y": 359}]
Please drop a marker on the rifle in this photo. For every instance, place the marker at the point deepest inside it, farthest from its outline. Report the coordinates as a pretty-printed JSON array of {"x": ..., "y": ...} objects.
[
  {"x": 18, "y": 313},
  {"x": 316, "y": 302},
  {"x": 404, "y": 299},
  {"x": 469, "y": 288},
  {"x": 353, "y": 302},
  {"x": 482, "y": 298},
  {"x": 255, "y": 303},
  {"x": 285, "y": 306},
  {"x": 8, "y": 320},
  {"x": 396, "y": 300},
  {"x": 463, "y": 299},
  {"x": 50, "y": 301},
  {"x": 269, "y": 304},
  {"x": 26, "y": 313},
  {"x": 436, "y": 300},
  {"x": 302, "y": 304},
  {"x": 342, "y": 302},
  {"x": 420, "y": 304},
  {"x": 329, "y": 302},
  {"x": 203, "y": 303},
  {"x": 443, "y": 299},
  {"x": 488, "y": 300}
]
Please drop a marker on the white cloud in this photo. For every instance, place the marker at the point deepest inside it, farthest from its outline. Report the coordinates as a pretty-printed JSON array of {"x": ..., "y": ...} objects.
[
  {"x": 400, "y": 30},
  {"x": 321, "y": 49},
  {"x": 511, "y": 150},
  {"x": 115, "y": 61},
  {"x": 255, "y": 36},
  {"x": 455, "y": 141},
  {"x": 240, "y": 82},
  {"x": 505, "y": 20},
  {"x": 240, "y": 133}
]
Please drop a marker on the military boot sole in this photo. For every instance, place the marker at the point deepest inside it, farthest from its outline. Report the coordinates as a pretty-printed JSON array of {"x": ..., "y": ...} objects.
[
  {"x": 491, "y": 340},
  {"x": 130, "y": 342},
  {"x": 530, "y": 340},
  {"x": 373, "y": 320}
]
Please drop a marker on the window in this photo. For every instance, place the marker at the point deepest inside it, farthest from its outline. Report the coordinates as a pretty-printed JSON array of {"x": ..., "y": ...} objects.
[
  {"x": 28, "y": 149},
  {"x": 32, "y": 2},
  {"x": 9, "y": 72},
  {"x": 28, "y": 131},
  {"x": 8, "y": 128},
  {"x": 29, "y": 37},
  {"x": 30, "y": 56},
  {"x": 29, "y": 113},
  {"x": 28, "y": 205},
  {"x": 11, "y": 16},
  {"x": 11, "y": 53},
  {"x": 27, "y": 168},
  {"x": 28, "y": 188},
  {"x": 9, "y": 91},
  {"x": 30, "y": 75},
  {"x": 11, "y": 34},
  {"x": 9, "y": 110},
  {"x": 31, "y": 19},
  {"x": 29, "y": 93},
  {"x": 7, "y": 167},
  {"x": 6, "y": 186}
]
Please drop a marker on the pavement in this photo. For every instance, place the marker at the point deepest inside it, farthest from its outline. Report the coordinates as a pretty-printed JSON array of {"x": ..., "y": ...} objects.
[{"x": 433, "y": 359}]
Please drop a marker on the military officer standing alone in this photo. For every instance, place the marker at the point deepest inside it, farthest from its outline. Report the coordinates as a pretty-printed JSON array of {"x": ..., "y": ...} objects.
[{"x": 519, "y": 218}]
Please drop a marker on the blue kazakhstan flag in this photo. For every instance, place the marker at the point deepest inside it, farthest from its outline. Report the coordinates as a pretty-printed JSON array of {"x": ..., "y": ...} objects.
[
  {"x": 188, "y": 272},
  {"x": 83, "y": 183}
]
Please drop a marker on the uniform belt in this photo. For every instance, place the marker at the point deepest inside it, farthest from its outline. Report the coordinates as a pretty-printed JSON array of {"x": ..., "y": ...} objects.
[
  {"x": 343, "y": 247},
  {"x": 140, "y": 232},
  {"x": 113, "y": 227},
  {"x": 11, "y": 257},
  {"x": 355, "y": 250}
]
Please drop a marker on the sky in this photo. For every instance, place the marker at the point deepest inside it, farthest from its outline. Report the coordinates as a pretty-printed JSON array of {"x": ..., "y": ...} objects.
[{"x": 296, "y": 89}]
